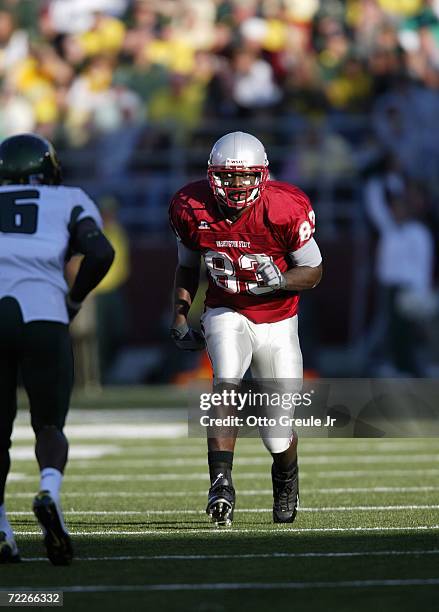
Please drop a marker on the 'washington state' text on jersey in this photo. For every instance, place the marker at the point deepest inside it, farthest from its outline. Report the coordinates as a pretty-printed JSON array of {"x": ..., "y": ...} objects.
[
  {"x": 281, "y": 222},
  {"x": 35, "y": 225}
]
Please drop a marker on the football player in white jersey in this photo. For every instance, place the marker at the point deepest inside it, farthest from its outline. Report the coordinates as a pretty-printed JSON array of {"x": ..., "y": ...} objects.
[{"x": 41, "y": 225}]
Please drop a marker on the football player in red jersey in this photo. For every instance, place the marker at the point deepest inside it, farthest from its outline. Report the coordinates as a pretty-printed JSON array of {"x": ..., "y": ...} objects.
[{"x": 256, "y": 238}]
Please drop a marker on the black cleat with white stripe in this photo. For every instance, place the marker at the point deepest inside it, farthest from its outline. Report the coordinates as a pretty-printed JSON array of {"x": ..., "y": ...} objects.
[
  {"x": 285, "y": 495},
  {"x": 221, "y": 501}
]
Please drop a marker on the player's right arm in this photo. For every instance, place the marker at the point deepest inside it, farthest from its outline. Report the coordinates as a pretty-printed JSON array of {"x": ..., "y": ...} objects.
[
  {"x": 186, "y": 283},
  {"x": 187, "y": 277}
]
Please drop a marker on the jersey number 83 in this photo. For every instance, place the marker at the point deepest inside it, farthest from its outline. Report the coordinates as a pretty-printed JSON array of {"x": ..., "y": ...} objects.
[{"x": 224, "y": 272}]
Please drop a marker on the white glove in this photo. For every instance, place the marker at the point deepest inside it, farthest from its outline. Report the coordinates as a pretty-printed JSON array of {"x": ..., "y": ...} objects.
[
  {"x": 270, "y": 274},
  {"x": 187, "y": 339}
]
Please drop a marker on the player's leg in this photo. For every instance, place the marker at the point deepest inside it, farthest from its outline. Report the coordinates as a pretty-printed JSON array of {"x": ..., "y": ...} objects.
[
  {"x": 229, "y": 347},
  {"x": 278, "y": 357},
  {"x": 47, "y": 368},
  {"x": 10, "y": 323},
  {"x": 8, "y": 378}
]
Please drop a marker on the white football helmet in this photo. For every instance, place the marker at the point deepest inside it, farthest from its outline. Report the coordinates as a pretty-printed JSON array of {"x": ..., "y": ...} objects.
[{"x": 237, "y": 170}]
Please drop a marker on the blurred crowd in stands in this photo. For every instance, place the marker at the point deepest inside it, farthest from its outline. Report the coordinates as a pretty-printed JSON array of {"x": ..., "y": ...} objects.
[
  {"x": 80, "y": 70},
  {"x": 72, "y": 68},
  {"x": 359, "y": 77}
]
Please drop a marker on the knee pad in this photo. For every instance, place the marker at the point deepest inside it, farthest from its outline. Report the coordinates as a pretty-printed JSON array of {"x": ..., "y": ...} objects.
[{"x": 276, "y": 445}]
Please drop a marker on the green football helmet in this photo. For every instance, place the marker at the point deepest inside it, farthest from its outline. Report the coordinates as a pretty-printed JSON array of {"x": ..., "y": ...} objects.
[{"x": 28, "y": 159}]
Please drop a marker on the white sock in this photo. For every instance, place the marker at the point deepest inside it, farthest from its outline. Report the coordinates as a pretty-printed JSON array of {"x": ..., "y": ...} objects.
[
  {"x": 51, "y": 480},
  {"x": 4, "y": 523}
]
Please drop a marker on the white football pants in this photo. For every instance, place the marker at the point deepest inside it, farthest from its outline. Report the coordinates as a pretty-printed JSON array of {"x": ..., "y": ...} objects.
[{"x": 271, "y": 350}]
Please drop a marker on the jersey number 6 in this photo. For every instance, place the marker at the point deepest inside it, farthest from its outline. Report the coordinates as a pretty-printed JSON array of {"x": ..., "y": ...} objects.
[{"x": 18, "y": 218}]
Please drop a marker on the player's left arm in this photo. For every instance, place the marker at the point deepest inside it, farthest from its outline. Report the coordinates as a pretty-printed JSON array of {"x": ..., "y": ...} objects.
[
  {"x": 304, "y": 254},
  {"x": 306, "y": 273},
  {"x": 302, "y": 277}
]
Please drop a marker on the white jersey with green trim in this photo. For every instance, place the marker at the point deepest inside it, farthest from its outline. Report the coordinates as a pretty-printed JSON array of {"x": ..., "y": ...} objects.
[{"x": 35, "y": 225}]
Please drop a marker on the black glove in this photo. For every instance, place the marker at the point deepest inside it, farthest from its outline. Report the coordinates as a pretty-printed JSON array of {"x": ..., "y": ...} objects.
[
  {"x": 187, "y": 339},
  {"x": 72, "y": 308}
]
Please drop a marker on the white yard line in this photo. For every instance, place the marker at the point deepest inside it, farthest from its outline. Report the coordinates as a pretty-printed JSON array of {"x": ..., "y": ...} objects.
[
  {"x": 237, "y": 531},
  {"x": 307, "y": 447},
  {"x": 250, "y": 461},
  {"x": 244, "y": 492},
  {"x": 123, "y": 415},
  {"x": 170, "y": 426},
  {"x": 115, "y": 431},
  {"x": 373, "y": 489},
  {"x": 82, "y": 453},
  {"x": 240, "y": 586},
  {"x": 100, "y": 455},
  {"x": 247, "y": 510},
  {"x": 273, "y": 555},
  {"x": 327, "y": 474}
]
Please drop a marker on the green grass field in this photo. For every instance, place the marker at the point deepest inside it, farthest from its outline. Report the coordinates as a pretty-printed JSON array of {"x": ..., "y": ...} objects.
[{"x": 366, "y": 534}]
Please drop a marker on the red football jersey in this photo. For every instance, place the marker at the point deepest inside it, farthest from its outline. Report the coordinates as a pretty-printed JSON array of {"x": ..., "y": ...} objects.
[{"x": 280, "y": 222}]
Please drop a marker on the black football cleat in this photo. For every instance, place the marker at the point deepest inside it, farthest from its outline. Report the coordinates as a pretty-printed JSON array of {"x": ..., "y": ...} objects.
[
  {"x": 8, "y": 550},
  {"x": 221, "y": 502},
  {"x": 56, "y": 539},
  {"x": 285, "y": 495}
]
